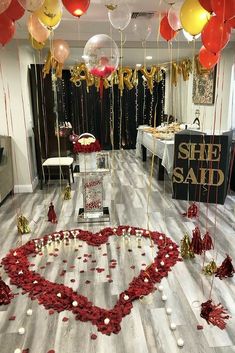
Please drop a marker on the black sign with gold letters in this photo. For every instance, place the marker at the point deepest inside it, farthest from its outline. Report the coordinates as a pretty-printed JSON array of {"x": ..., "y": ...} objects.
[{"x": 201, "y": 164}]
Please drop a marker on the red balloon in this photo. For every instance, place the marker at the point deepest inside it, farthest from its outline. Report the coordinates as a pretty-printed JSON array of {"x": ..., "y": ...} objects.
[
  {"x": 208, "y": 59},
  {"x": 76, "y": 7},
  {"x": 224, "y": 9},
  {"x": 230, "y": 24},
  {"x": 15, "y": 11},
  {"x": 215, "y": 35},
  {"x": 7, "y": 29},
  {"x": 165, "y": 29},
  {"x": 206, "y": 4}
]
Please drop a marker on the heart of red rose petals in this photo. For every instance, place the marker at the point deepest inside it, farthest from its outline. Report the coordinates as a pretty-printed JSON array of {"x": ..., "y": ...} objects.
[{"x": 108, "y": 321}]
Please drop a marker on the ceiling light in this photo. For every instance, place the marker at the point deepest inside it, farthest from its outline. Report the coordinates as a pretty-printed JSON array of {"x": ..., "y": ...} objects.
[
  {"x": 138, "y": 65},
  {"x": 149, "y": 57}
]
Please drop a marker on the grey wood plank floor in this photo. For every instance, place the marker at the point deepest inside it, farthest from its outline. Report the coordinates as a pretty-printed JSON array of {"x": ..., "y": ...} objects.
[{"x": 146, "y": 329}]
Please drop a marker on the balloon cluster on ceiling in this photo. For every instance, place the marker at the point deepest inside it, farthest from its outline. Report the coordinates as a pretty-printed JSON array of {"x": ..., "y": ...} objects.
[
  {"x": 45, "y": 16},
  {"x": 194, "y": 17},
  {"x": 213, "y": 19}
]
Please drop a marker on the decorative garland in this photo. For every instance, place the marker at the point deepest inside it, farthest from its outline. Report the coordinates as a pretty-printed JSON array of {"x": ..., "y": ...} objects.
[{"x": 59, "y": 297}]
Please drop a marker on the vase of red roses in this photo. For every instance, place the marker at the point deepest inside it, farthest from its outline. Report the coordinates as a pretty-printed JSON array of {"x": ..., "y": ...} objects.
[{"x": 86, "y": 147}]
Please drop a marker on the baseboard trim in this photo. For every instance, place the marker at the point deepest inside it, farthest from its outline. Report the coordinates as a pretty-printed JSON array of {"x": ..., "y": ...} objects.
[
  {"x": 35, "y": 183},
  {"x": 21, "y": 189}
]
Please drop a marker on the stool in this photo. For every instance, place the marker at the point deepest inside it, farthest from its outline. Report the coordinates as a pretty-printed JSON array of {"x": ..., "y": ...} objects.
[{"x": 65, "y": 162}]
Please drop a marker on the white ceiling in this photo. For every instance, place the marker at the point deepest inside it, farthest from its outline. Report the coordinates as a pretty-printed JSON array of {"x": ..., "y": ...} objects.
[{"x": 95, "y": 21}]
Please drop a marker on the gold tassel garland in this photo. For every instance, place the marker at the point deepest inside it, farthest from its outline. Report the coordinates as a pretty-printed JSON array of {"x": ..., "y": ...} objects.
[
  {"x": 67, "y": 193},
  {"x": 210, "y": 268},
  {"x": 185, "y": 248},
  {"x": 23, "y": 225}
]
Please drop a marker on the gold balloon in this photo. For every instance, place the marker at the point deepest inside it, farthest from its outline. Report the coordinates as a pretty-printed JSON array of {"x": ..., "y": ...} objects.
[
  {"x": 127, "y": 75},
  {"x": 50, "y": 14},
  {"x": 193, "y": 17},
  {"x": 135, "y": 79},
  {"x": 149, "y": 76},
  {"x": 120, "y": 81},
  {"x": 124, "y": 76},
  {"x": 97, "y": 83},
  {"x": 106, "y": 83},
  {"x": 36, "y": 45}
]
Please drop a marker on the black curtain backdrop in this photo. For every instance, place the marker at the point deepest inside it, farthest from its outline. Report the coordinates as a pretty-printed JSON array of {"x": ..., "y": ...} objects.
[{"x": 88, "y": 113}]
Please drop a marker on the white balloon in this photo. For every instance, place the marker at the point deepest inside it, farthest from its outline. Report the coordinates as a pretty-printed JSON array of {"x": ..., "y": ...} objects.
[
  {"x": 142, "y": 28},
  {"x": 120, "y": 17},
  {"x": 101, "y": 55},
  {"x": 31, "y": 5},
  {"x": 174, "y": 16}
]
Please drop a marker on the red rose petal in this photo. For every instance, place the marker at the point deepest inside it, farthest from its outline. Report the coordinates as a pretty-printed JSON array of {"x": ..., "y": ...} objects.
[
  {"x": 12, "y": 318},
  {"x": 51, "y": 351},
  {"x": 65, "y": 319},
  {"x": 51, "y": 312},
  {"x": 93, "y": 336},
  {"x": 199, "y": 327}
]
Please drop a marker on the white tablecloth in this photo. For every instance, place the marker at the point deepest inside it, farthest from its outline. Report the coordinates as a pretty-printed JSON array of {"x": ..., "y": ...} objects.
[{"x": 163, "y": 149}]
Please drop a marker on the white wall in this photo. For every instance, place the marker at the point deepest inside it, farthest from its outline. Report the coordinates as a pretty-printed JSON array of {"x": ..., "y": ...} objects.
[
  {"x": 179, "y": 99},
  {"x": 15, "y": 113}
]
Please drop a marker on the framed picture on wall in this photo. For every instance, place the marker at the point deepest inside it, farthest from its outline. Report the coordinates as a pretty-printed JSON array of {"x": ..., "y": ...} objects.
[{"x": 204, "y": 87}]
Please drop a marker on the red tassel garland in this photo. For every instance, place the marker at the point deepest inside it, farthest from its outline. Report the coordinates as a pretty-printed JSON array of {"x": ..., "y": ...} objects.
[
  {"x": 5, "y": 293},
  {"x": 207, "y": 242},
  {"x": 51, "y": 214},
  {"x": 197, "y": 244},
  {"x": 226, "y": 269},
  {"x": 214, "y": 314},
  {"x": 192, "y": 211}
]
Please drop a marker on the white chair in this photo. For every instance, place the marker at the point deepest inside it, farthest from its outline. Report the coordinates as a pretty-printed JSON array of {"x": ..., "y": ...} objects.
[{"x": 61, "y": 162}]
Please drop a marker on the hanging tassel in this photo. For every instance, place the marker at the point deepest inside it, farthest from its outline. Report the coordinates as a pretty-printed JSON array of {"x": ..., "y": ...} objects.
[
  {"x": 23, "y": 225},
  {"x": 214, "y": 314},
  {"x": 67, "y": 193},
  {"x": 51, "y": 214},
  {"x": 196, "y": 244},
  {"x": 5, "y": 293},
  {"x": 207, "y": 242},
  {"x": 210, "y": 268},
  {"x": 185, "y": 248},
  {"x": 192, "y": 211},
  {"x": 226, "y": 269}
]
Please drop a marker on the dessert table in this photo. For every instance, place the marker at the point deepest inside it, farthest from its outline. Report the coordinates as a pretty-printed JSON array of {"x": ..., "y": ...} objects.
[{"x": 163, "y": 149}]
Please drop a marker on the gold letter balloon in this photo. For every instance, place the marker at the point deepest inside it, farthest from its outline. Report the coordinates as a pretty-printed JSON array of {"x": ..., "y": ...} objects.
[
  {"x": 193, "y": 17},
  {"x": 50, "y": 14}
]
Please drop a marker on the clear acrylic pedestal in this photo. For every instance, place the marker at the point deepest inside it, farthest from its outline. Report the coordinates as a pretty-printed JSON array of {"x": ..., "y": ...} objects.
[{"x": 93, "y": 209}]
